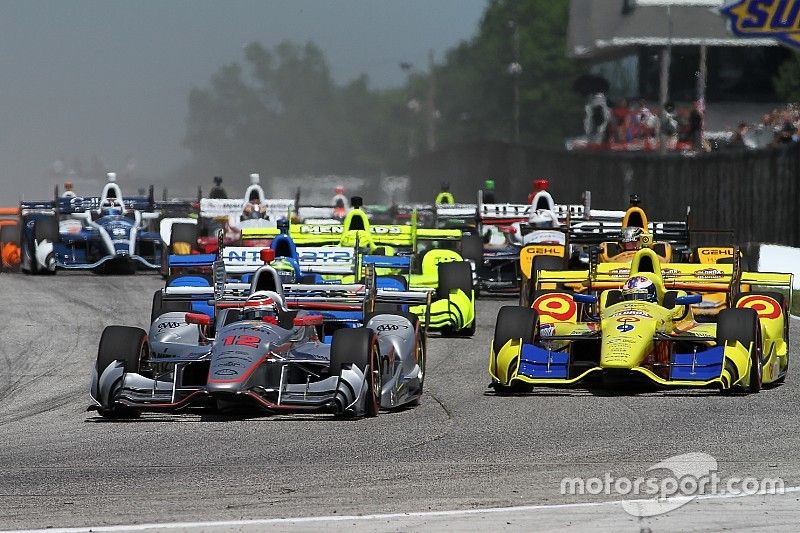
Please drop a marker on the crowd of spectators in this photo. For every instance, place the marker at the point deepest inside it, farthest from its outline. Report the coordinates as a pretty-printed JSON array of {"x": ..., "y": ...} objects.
[{"x": 634, "y": 125}]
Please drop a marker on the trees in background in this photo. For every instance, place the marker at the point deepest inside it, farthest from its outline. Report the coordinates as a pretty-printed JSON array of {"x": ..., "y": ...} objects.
[{"x": 281, "y": 112}]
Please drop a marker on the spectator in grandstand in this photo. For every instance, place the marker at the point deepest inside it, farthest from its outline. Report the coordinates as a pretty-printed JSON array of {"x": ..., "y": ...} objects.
[
  {"x": 622, "y": 119},
  {"x": 737, "y": 140},
  {"x": 696, "y": 127},
  {"x": 596, "y": 121},
  {"x": 668, "y": 127}
]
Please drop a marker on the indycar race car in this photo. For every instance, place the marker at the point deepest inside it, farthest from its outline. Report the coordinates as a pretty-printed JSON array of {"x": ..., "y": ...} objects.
[
  {"x": 642, "y": 326},
  {"x": 108, "y": 233},
  {"x": 277, "y": 349},
  {"x": 497, "y": 233},
  {"x": 10, "y": 255},
  {"x": 198, "y": 234},
  {"x": 443, "y": 274}
]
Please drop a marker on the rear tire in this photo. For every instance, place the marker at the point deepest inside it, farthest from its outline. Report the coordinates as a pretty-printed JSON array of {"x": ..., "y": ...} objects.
[
  {"x": 160, "y": 307},
  {"x": 742, "y": 325},
  {"x": 539, "y": 262},
  {"x": 45, "y": 228},
  {"x": 472, "y": 248},
  {"x": 359, "y": 347},
  {"x": 9, "y": 245},
  {"x": 456, "y": 275},
  {"x": 183, "y": 233}
]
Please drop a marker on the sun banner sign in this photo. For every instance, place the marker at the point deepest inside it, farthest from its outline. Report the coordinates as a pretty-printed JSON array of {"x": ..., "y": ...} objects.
[{"x": 777, "y": 19}]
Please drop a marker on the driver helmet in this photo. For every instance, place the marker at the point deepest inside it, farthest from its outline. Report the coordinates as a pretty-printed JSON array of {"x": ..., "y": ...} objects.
[
  {"x": 285, "y": 269},
  {"x": 110, "y": 208},
  {"x": 489, "y": 185},
  {"x": 639, "y": 288},
  {"x": 339, "y": 190},
  {"x": 631, "y": 239},
  {"x": 541, "y": 219},
  {"x": 259, "y": 305},
  {"x": 283, "y": 225}
]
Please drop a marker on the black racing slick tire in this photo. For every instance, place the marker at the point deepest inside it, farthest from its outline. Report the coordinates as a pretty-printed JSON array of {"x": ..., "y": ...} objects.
[
  {"x": 184, "y": 233},
  {"x": 539, "y": 262},
  {"x": 454, "y": 275},
  {"x": 472, "y": 248},
  {"x": 122, "y": 343},
  {"x": 359, "y": 347},
  {"x": 742, "y": 325},
  {"x": 160, "y": 307},
  {"x": 46, "y": 228},
  {"x": 128, "y": 345},
  {"x": 515, "y": 323}
]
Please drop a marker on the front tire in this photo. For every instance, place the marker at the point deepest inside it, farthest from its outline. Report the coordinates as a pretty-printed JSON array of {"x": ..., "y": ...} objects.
[
  {"x": 128, "y": 345},
  {"x": 359, "y": 347},
  {"x": 742, "y": 325},
  {"x": 514, "y": 323}
]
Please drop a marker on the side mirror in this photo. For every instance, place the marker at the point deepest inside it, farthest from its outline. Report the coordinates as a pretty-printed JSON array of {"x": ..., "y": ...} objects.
[
  {"x": 585, "y": 298},
  {"x": 689, "y": 299},
  {"x": 200, "y": 319},
  {"x": 310, "y": 320}
]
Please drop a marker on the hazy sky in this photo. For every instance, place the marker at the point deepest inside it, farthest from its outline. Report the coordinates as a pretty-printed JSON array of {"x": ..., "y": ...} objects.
[{"x": 109, "y": 78}]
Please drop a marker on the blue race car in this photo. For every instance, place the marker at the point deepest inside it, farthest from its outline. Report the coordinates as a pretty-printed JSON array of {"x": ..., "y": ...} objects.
[{"x": 106, "y": 234}]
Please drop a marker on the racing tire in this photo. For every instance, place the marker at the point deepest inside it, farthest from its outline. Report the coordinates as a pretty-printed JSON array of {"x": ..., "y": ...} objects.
[
  {"x": 539, "y": 262},
  {"x": 45, "y": 228},
  {"x": 128, "y": 345},
  {"x": 160, "y": 307},
  {"x": 183, "y": 233},
  {"x": 359, "y": 346},
  {"x": 454, "y": 275},
  {"x": 472, "y": 248},
  {"x": 742, "y": 325},
  {"x": 514, "y": 323},
  {"x": 9, "y": 245}
]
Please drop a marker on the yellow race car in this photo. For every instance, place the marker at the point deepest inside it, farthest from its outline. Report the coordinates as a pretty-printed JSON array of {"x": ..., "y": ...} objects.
[{"x": 641, "y": 325}]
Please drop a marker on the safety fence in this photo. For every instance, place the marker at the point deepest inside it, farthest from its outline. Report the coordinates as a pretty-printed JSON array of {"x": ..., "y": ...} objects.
[{"x": 753, "y": 193}]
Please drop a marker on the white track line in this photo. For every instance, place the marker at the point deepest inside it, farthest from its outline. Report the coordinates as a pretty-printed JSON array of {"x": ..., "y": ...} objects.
[{"x": 368, "y": 517}]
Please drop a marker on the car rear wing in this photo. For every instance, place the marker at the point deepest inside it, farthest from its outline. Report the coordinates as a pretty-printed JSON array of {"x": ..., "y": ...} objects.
[
  {"x": 597, "y": 231},
  {"x": 682, "y": 276},
  {"x": 225, "y": 207},
  {"x": 78, "y": 204}
]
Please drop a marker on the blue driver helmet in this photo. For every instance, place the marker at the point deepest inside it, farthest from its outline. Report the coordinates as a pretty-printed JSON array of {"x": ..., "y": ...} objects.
[
  {"x": 639, "y": 288},
  {"x": 283, "y": 225},
  {"x": 110, "y": 208}
]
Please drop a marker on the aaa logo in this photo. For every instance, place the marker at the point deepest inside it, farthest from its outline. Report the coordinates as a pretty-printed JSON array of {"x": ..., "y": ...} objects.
[{"x": 778, "y": 19}]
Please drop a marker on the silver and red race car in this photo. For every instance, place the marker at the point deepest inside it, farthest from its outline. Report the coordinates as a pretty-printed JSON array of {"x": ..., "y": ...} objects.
[{"x": 342, "y": 349}]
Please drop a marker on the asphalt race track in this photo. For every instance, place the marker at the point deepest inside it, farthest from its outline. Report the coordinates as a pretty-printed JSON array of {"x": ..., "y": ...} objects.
[{"x": 462, "y": 449}]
